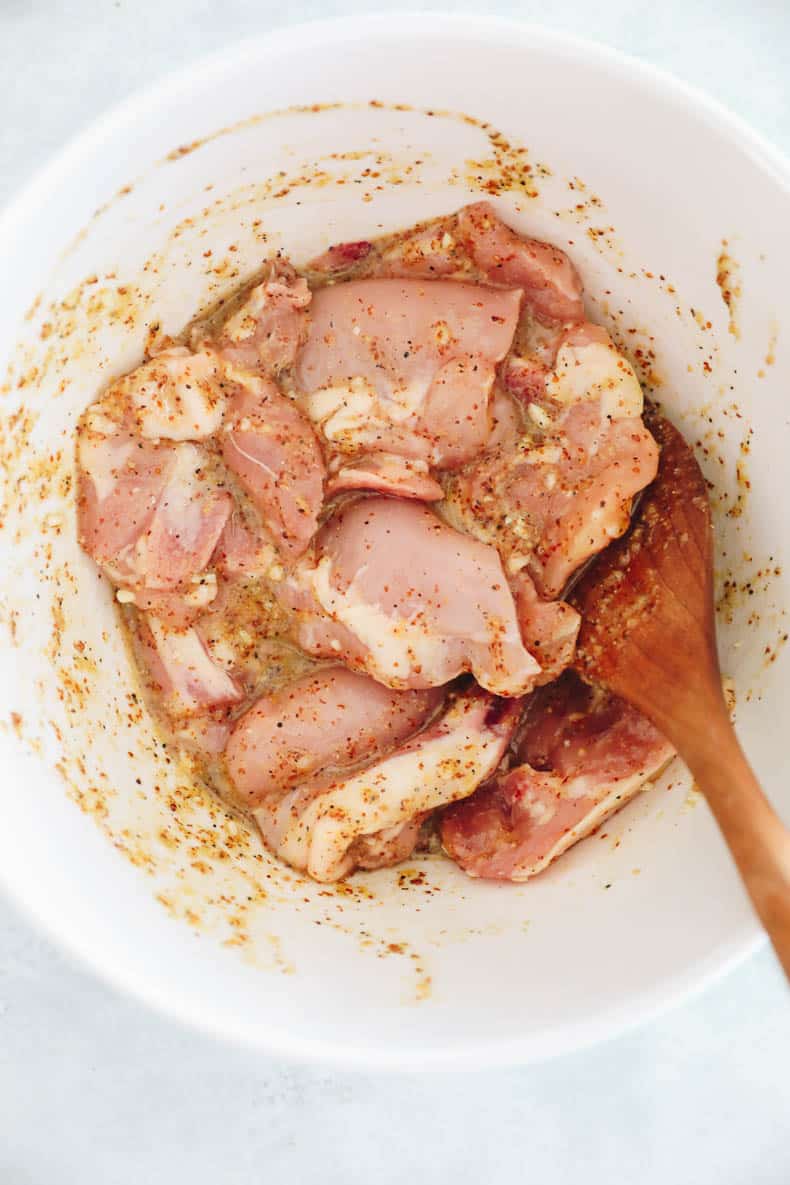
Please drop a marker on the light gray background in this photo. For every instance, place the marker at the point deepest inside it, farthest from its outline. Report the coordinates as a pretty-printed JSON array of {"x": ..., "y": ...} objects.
[{"x": 94, "y": 1089}]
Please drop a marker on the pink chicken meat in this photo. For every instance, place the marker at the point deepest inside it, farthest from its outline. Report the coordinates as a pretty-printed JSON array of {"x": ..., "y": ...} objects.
[
  {"x": 581, "y": 754},
  {"x": 150, "y": 515},
  {"x": 371, "y": 817},
  {"x": 272, "y": 449},
  {"x": 562, "y": 490},
  {"x": 545, "y": 275},
  {"x": 393, "y": 591},
  {"x": 264, "y": 333},
  {"x": 475, "y": 246},
  {"x": 405, "y": 369},
  {"x": 183, "y": 671},
  {"x": 330, "y": 718}
]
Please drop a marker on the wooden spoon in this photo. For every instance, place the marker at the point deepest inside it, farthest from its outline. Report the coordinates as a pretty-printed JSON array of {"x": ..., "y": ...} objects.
[{"x": 649, "y": 635}]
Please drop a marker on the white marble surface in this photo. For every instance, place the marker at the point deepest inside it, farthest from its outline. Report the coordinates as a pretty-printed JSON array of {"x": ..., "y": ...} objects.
[{"x": 94, "y": 1088}]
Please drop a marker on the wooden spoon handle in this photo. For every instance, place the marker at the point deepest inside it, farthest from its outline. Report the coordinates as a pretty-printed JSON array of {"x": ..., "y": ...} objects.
[{"x": 757, "y": 838}]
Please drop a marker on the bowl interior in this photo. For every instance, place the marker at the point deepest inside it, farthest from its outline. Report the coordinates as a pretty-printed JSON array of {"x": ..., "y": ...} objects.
[{"x": 297, "y": 141}]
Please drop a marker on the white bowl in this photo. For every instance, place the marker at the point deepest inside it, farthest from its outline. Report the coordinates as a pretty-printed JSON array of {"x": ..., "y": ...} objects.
[{"x": 149, "y": 881}]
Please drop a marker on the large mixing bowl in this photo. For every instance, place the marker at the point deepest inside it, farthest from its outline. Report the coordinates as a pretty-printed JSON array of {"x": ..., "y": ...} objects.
[{"x": 677, "y": 216}]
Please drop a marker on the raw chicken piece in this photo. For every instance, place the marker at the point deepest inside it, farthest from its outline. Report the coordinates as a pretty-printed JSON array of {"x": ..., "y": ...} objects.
[
  {"x": 473, "y": 245},
  {"x": 589, "y": 368},
  {"x": 183, "y": 530},
  {"x": 524, "y": 375},
  {"x": 534, "y": 356},
  {"x": 389, "y": 846},
  {"x": 583, "y": 754},
  {"x": 548, "y": 628},
  {"x": 405, "y": 366},
  {"x": 387, "y": 473},
  {"x": 330, "y": 827},
  {"x": 507, "y": 421},
  {"x": 243, "y": 548},
  {"x": 177, "y": 608},
  {"x": 273, "y": 450},
  {"x": 431, "y": 251},
  {"x": 266, "y": 331},
  {"x": 340, "y": 257},
  {"x": 395, "y": 592},
  {"x": 178, "y": 395},
  {"x": 330, "y": 718},
  {"x": 243, "y": 634},
  {"x": 121, "y": 480},
  {"x": 188, "y": 680},
  {"x": 205, "y": 735},
  {"x": 242, "y": 551},
  {"x": 550, "y": 283},
  {"x": 148, "y": 513},
  {"x": 564, "y": 490}
]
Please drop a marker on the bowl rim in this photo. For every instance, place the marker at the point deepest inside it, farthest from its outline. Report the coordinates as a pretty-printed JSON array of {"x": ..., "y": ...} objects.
[{"x": 21, "y": 208}]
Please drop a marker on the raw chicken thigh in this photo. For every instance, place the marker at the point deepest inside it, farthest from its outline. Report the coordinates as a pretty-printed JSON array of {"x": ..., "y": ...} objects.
[
  {"x": 266, "y": 329},
  {"x": 394, "y": 591},
  {"x": 403, "y": 369},
  {"x": 328, "y": 828},
  {"x": 271, "y": 448},
  {"x": 328, "y": 719},
  {"x": 581, "y": 754},
  {"x": 560, "y": 492}
]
